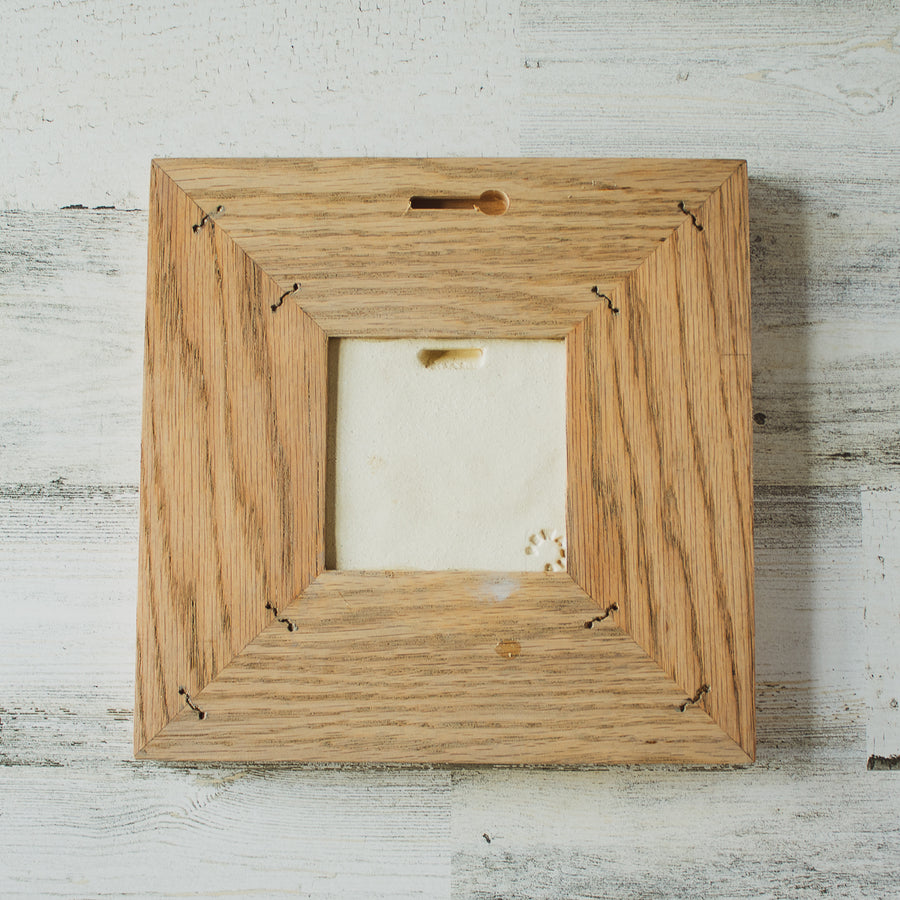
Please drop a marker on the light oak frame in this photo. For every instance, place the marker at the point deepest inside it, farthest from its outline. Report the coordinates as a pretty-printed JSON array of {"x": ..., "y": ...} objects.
[{"x": 247, "y": 649}]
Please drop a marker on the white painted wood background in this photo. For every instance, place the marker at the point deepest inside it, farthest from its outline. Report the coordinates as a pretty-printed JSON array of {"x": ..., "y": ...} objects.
[{"x": 90, "y": 91}]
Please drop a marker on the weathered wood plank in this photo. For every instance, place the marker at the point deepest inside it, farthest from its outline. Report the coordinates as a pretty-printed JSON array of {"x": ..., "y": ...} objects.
[
  {"x": 826, "y": 383},
  {"x": 762, "y": 833},
  {"x": 802, "y": 91},
  {"x": 94, "y": 91},
  {"x": 881, "y": 570},
  {"x": 72, "y": 295},
  {"x": 810, "y": 657},
  {"x": 95, "y": 830},
  {"x": 69, "y": 557}
]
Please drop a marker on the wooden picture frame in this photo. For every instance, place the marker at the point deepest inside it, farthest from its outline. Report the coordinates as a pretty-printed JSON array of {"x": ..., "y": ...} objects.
[{"x": 642, "y": 652}]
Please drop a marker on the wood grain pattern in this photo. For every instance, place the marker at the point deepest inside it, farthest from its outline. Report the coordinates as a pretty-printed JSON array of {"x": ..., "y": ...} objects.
[
  {"x": 660, "y": 483},
  {"x": 650, "y": 387},
  {"x": 232, "y": 467},
  {"x": 370, "y": 266},
  {"x": 408, "y": 667}
]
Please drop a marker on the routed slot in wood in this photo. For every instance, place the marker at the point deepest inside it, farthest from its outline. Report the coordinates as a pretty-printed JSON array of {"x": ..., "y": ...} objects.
[{"x": 491, "y": 203}]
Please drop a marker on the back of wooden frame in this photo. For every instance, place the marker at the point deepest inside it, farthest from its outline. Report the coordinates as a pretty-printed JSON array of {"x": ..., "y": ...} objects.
[{"x": 248, "y": 649}]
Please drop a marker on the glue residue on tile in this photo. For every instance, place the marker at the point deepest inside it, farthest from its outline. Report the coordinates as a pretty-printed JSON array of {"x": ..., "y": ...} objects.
[
  {"x": 548, "y": 548},
  {"x": 445, "y": 454}
]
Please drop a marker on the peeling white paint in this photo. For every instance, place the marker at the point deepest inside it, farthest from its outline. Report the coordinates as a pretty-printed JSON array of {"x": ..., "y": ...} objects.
[{"x": 881, "y": 530}]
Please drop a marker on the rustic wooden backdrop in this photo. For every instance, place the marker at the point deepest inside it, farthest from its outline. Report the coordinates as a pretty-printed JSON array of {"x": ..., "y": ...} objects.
[{"x": 806, "y": 92}]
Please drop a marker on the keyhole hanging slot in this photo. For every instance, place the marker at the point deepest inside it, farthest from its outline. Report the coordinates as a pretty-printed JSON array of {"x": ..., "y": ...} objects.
[{"x": 491, "y": 203}]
